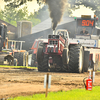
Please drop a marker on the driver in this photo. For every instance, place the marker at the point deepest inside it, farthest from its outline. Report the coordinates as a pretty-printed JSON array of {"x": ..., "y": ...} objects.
[
  {"x": 61, "y": 34},
  {"x": 84, "y": 32}
]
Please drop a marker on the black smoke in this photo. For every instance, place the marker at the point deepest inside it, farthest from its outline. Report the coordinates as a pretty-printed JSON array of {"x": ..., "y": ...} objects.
[{"x": 56, "y": 8}]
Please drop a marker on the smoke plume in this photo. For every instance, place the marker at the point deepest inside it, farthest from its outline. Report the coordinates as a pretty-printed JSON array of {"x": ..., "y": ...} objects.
[{"x": 56, "y": 8}]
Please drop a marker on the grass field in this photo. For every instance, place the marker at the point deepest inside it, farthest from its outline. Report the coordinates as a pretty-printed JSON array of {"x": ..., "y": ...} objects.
[
  {"x": 6, "y": 66},
  {"x": 77, "y": 94}
]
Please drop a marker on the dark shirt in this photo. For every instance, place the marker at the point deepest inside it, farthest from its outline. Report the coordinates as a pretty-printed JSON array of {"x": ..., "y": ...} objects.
[{"x": 85, "y": 33}]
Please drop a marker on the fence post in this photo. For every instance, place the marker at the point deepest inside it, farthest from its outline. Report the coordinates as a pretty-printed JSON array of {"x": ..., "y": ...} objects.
[{"x": 47, "y": 85}]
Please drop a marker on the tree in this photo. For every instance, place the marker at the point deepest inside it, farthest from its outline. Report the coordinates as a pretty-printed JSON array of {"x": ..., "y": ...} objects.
[
  {"x": 12, "y": 15},
  {"x": 92, "y": 4},
  {"x": 74, "y": 4},
  {"x": 9, "y": 13},
  {"x": 1, "y": 15},
  {"x": 34, "y": 20},
  {"x": 22, "y": 14}
]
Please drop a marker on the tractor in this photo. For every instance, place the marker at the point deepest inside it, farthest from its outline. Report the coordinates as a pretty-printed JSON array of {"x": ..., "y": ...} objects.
[
  {"x": 5, "y": 56},
  {"x": 60, "y": 55},
  {"x": 11, "y": 52},
  {"x": 75, "y": 55},
  {"x": 33, "y": 51}
]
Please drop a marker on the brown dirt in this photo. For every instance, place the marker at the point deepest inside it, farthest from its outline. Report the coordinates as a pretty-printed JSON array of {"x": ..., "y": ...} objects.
[{"x": 17, "y": 82}]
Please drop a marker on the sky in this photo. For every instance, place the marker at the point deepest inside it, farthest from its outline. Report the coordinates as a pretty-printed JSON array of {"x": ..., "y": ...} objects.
[
  {"x": 2, "y": 4},
  {"x": 83, "y": 11},
  {"x": 34, "y": 6}
]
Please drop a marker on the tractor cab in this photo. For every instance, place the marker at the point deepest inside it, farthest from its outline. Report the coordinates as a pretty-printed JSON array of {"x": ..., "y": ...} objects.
[
  {"x": 63, "y": 33},
  {"x": 85, "y": 27}
]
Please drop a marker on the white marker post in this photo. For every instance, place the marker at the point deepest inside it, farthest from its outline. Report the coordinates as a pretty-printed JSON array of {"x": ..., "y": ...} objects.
[
  {"x": 47, "y": 82},
  {"x": 93, "y": 76}
]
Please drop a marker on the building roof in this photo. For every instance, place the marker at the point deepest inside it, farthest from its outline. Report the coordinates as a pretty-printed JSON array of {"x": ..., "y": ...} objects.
[{"x": 47, "y": 24}]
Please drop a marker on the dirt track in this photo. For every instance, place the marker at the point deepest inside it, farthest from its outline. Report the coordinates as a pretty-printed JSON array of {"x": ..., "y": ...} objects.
[{"x": 16, "y": 82}]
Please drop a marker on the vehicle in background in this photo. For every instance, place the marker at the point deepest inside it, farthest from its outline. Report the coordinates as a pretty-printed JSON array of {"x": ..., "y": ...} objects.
[
  {"x": 33, "y": 52},
  {"x": 11, "y": 52}
]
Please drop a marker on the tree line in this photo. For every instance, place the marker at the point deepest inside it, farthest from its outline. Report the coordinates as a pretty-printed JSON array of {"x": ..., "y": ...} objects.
[
  {"x": 43, "y": 14},
  {"x": 12, "y": 15}
]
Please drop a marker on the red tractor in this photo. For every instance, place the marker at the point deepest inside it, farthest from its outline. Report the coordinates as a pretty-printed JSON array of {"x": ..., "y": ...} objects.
[
  {"x": 58, "y": 55},
  {"x": 62, "y": 53},
  {"x": 33, "y": 51}
]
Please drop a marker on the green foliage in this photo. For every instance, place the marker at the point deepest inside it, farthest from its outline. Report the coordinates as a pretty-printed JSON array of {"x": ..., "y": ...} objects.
[
  {"x": 22, "y": 14},
  {"x": 1, "y": 15},
  {"x": 34, "y": 20},
  {"x": 77, "y": 94},
  {"x": 17, "y": 3},
  {"x": 12, "y": 15},
  {"x": 74, "y": 4},
  {"x": 9, "y": 13}
]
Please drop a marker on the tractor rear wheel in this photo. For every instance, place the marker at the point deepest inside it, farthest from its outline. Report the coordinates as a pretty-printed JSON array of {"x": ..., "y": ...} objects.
[
  {"x": 43, "y": 65},
  {"x": 40, "y": 54},
  {"x": 76, "y": 58}
]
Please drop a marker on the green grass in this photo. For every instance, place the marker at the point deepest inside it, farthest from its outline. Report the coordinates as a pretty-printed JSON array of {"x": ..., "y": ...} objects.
[
  {"x": 77, "y": 94},
  {"x": 6, "y": 66}
]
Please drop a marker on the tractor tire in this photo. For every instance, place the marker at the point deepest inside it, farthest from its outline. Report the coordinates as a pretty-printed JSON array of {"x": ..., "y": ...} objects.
[
  {"x": 43, "y": 66},
  {"x": 40, "y": 55},
  {"x": 22, "y": 59},
  {"x": 20, "y": 56},
  {"x": 17, "y": 56},
  {"x": 86, "y": 61},
  {"x": 75, "y": 58},
  {"x": 65, "y": 59}
]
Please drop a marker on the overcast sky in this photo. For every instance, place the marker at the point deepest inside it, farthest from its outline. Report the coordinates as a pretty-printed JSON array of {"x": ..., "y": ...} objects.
[{"x": 34, "y": 6}]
